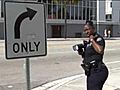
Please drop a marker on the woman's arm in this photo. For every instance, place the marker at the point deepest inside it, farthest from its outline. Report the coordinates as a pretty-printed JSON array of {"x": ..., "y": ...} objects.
[{"x": 98, "y": 48}]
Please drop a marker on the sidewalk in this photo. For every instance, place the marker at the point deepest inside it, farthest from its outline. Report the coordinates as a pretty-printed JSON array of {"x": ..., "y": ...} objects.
[
  {"x": 78, "y": 82},
  {"x": 112, "y": 83}
]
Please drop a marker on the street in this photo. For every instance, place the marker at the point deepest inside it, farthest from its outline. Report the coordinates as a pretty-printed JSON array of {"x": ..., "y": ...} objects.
[{"x": 61, "y": 61}]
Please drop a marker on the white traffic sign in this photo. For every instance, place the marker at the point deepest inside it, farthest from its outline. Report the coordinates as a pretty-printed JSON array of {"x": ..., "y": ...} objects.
[{"x": 25, "y": 32}]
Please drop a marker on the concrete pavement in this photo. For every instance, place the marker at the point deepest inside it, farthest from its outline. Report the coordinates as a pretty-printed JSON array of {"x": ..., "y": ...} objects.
[
  {"x": 78, "y": 82},
  {"x": 112, "y": 83}
]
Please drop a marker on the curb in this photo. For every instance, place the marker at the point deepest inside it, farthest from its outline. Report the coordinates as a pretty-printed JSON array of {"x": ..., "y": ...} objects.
[
  {"x": 60, "y": 82},
  {"x": 57, "y": 83}
]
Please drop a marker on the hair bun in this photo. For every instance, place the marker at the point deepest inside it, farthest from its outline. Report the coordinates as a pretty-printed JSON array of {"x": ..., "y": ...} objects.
[{"x": 89, "y": 22}]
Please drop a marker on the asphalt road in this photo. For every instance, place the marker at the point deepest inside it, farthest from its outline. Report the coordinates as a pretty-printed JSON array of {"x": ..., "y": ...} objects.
[{"x": 61, "y": 61}]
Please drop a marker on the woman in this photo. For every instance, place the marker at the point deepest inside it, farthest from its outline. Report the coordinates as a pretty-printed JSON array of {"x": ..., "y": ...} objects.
[{"x": 93, "y": 65}]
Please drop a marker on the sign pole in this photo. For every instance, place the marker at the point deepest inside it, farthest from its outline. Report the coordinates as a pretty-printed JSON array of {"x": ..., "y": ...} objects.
[{"x": 28, "y": 73}]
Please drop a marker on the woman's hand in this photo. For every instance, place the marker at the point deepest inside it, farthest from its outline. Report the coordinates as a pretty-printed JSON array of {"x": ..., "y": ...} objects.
[{"x": 98, "y": 48}]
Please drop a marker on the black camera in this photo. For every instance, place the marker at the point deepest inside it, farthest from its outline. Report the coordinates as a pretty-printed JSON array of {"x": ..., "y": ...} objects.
[{"x": 78, "y": 47}]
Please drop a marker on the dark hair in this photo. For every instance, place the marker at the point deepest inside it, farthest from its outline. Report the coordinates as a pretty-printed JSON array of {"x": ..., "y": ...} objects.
[{"x": 89, "y": 22}]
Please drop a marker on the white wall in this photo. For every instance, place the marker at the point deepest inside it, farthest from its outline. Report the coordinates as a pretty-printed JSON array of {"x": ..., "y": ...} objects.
[
  {"x": 116, "y": 11},
  {"x": 100, "y": 10},
  {"x": 108, "y": 8}
]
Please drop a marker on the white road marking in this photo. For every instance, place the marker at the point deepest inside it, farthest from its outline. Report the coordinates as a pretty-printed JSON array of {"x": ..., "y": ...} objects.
[
  {"x": 115, "y": 68},
  {"x": 111, "y": 49},
  {"x": 58, "y": 83},
  {"x": 112, "y": 62}
]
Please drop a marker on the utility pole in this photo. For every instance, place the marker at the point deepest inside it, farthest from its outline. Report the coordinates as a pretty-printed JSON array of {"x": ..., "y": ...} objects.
[{"x": 65, "y": 16}]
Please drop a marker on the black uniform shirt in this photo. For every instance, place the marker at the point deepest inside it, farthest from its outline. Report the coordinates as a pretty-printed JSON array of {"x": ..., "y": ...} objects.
[{"x": 90, "y": 53}]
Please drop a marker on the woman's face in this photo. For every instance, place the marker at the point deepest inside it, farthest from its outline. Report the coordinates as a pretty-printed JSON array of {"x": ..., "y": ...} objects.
[{"x": 88, "y": 30}]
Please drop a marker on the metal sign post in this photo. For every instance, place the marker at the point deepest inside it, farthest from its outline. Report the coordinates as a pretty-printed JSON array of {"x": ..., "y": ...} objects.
[
  {"x": 27, "y": 64},
  {"x": 25, "y": 32}
]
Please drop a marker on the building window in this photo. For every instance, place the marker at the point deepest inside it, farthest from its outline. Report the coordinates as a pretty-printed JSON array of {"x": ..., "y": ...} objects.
[
  {"x": 0, "y": 9},
  {"x": 108, "y": 17},
  {"x": 111, "y": 4},
  {"x": 42, "y": 1},
  {"x": 82, "y": 10}
]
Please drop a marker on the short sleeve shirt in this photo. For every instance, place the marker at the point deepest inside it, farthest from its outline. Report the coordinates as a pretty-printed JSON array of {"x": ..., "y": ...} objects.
[{"x": 90, "y": 53}]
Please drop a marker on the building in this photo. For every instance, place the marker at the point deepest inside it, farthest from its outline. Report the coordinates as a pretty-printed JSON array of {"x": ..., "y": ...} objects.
[
  {"x": 116, "y": 17},
  {"x": 108, "y": 10},
  {"x": 65, "y": 18}
]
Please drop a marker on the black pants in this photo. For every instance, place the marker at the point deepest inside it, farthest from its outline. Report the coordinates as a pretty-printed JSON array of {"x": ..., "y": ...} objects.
[{"x": 97, "y": 78}]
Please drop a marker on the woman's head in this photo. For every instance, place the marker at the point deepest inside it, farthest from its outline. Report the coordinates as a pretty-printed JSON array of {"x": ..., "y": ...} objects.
[{"x": 89, "y": 28}]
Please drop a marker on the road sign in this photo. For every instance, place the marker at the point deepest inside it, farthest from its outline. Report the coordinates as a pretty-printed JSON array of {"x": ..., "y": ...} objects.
[{"x": 25, "y": 32}]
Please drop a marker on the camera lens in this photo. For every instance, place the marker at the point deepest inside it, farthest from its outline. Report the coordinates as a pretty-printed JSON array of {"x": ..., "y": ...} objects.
[{"x": 75, "y": 48}]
